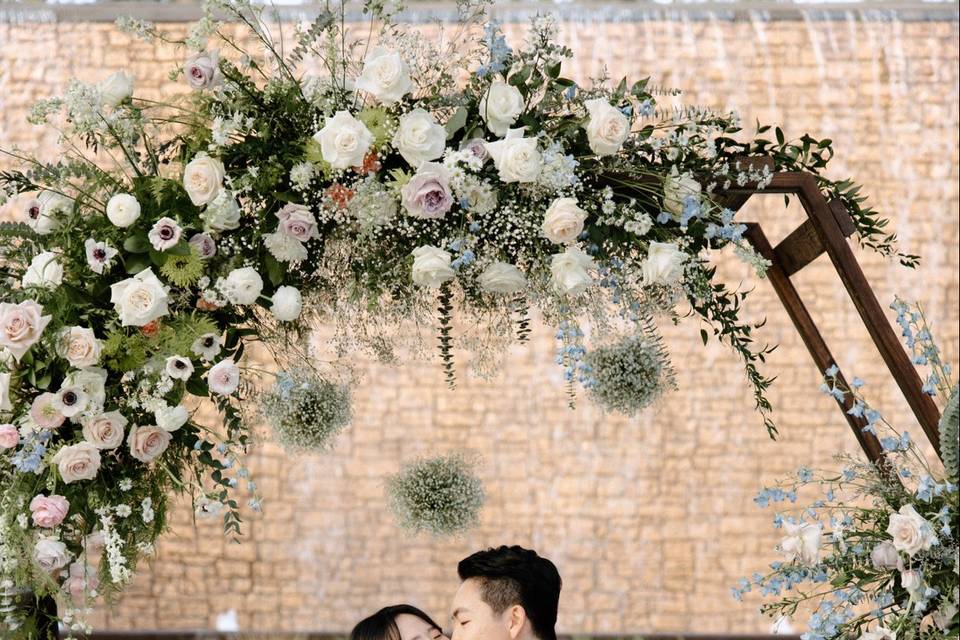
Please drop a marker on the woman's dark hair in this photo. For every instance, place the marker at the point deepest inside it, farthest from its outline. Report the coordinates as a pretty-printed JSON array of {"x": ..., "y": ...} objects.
[
  {"x": 383, "y": 624},
  {"x": 513, "y": 575}
]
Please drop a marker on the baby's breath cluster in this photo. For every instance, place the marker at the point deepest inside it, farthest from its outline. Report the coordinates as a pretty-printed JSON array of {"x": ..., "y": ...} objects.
[
  {"x": 306, "y": 411},
  {"x": 440, "y": 495}
]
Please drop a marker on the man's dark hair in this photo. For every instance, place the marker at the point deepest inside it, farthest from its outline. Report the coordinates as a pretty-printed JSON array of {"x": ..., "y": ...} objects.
[{"x": 513, "y": 575}]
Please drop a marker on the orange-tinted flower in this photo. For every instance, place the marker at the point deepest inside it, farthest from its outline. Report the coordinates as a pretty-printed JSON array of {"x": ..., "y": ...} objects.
[
  {"x": 370, "y": 163},
  {"x": 204, "y": 305},
  {"x": 151, "y": 328},
  {"x": 340, "y": 194}
]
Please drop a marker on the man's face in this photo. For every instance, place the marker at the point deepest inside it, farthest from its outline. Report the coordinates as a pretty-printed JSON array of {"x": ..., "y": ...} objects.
[{"x": 473, "y": 619}]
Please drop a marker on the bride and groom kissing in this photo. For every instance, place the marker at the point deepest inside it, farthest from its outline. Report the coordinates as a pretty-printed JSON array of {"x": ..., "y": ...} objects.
[{"x": 506, "y": 593}]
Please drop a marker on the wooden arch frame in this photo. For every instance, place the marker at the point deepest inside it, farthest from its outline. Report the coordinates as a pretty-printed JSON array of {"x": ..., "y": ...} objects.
[{"x": 826, "y": 229}]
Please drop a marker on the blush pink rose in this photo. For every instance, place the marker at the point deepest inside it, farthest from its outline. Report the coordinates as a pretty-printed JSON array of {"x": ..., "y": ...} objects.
[
  {"x": 9, "y": 436},
  {"x": 49, "y": 511}
]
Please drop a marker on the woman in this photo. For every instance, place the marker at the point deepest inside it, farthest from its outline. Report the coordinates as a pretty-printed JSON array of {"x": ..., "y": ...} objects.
[{"x": 399, "y": 622}]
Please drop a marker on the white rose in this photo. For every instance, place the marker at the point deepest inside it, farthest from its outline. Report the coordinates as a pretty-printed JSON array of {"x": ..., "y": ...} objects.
[
  {"x": 242, "y": 286},
  {"x": 607, "y": 127},
  {"x": 50, "y": 555},
  {"x": 223, "y": 213},
  {"x": 911, "y": 533},
  {"x": 563, "y": 221},
  {"x": 676, "y": 189},
  {"x": 171, "y": 418},
  {"x": 880, "y": 633},
  {"x": 5, "y": 402},
  {"x": 517, "y": 158},
  {"x": 44, "y": 271},
  {"x": 385, "y": 76},
  {"x": 21, "y": 326},
  {"x": 885, "y": 556},
  {"x": 106, "y": 430},
  {"x": 501, "y": 106},
  {"x": 570, "y": 271},
  {"x": 664, "y": 264},
  {"x": 78, "y": 462},
  {"x": 224, "y": 377},
  {"x": 431, "y": 266},
  {"x": 123, "y": 210},
  {"x": 502, "y": 277},
  {"x": 802, "y": 543},
  {"x": 344, "y": 141},
  {"x": 287, "y": 304},
  {"x": 140, "y": 299},
  {"x": 203, "y": 179},
  {"x": 178, "y": 367},
  {"x": 79, "y": 346},
  {"x": 116, "y": 88},
  {"x": 147, "y": 443},
  {"x": 419, "y": 138}
]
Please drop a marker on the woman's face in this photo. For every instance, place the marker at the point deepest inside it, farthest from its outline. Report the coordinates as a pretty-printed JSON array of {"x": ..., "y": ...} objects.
[{"x": 413, "y": 628}]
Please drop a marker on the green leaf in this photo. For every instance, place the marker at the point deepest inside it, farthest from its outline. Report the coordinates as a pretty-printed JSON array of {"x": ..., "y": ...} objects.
[
  {"x": 456, "y": 122},
  {"x": 136, "y": 244},
  {"x": 275, "y": 270},
  {"x": 136, "y": 264},
  {"x": 157, "y": 257},
  {"x": 198, "y": 387}
]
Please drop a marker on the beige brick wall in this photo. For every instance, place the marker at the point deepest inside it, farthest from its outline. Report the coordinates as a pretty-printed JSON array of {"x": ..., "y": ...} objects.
[{"x": 650, "y": 520}]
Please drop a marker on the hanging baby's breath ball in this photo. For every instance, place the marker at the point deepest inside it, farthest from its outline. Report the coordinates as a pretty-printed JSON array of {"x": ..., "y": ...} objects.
[
  {"x": 440, "y": 495},
  {"x": 305, "y": 410},
  {"x": 629, "y": 375}
]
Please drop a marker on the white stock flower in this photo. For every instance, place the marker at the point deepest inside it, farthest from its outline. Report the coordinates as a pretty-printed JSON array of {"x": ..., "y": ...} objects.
[
  {"x": 287, "y": 304},
  {"x": 171, "y": 418},
  {"x": 242, "y": 286},
  {"x": 802, "y": 543},
  {"x": 676, "y": 189},
  {"x": 116, "y": 88},
  {"x": 222, "y": 213}
]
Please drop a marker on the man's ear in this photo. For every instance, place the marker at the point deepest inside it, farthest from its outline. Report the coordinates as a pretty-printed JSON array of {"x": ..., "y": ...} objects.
[{"x": 516, "y": 621}]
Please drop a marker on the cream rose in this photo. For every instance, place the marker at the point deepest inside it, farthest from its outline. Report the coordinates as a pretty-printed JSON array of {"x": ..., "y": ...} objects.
[
  {"x": 431, "y": 266},
  {"x": 419, "y": 138},
  {"x": 517, "y": 158},
  {"x": 45, "y": 271},
  {"x": 344, "y": 141},
  {"x": 570, "y": 271},
  {"x": 911, "y": 533},
  {"x": 50, "y": 555},
  {"x": 385, "y": 76},
  {"x": 287, "y": 304},
  {"x": 79, "y": 346},
  {"x": 21, "y": 326},
  {"x": 140, "y": 299},
  {"x": 203, "y": 179},
  {"x": 123, "y": 210},
  {"x": 502, "y": 277},
  {"x": 607, "y": 127},
  {"x": 563, "y": 221},
  {"x": 77, "y": 462},
  {"x": 146, "y": 443},
  {"x": 106, "y": 430},
  {"x": 663, "y": 265},
  {"x": 802, "y": 543},
  {"x": 500, "y": 107},
  {"x": 224, "y": 377},
  {"x": 116, "y": 88},
  {"x": 676, "y": 189}
]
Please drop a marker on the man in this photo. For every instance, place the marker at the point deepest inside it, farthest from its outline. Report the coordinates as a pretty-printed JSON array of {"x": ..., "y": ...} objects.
[{"x": 507, "y": 593}]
